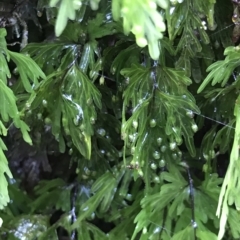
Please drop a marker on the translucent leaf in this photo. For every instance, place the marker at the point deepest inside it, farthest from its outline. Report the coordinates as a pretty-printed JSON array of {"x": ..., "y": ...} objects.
[
  {"x": 8, "y": 103},
  {"x": 220, "y": 71},
  {"x": 231, "y": 180},
  {"x": 233, "y": 220},
  {"x": 9, "y": 109},
  {"x": 4, "y": 71},
  {"x": 143, "y": 20},
  {"x": 206, "y": 235},
  {"x": 4, "y": 169},
  {"x": 66, "y": 11},
  {"x": 187, "y": 233},
  {"x": 28, "y": 70},
  {"x": 3, "y": 130},
  {"x": 24, "y": 130}
]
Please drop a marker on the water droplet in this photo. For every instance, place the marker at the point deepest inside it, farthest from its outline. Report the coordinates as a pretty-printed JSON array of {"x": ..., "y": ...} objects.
[
  {"x": 156, "y": 179},
  {"x": 179, "y": 154},
  {"x": 194, "y": 224},
  {"x": 87, "y": 171},
  {"x": 114, "y": 98},
  {"x": 157, "y": 230},
  {"x": 108, "y": 154},
  {"x": 190, "y": 114},
  {"x": 86, "y": 208},
  {"x": 133, "y": 150},
  {"x": 39, "y": 13},
  {"x": 162, "y": 163},
  {"x": 15, "y": 71},
  {"x": 153, "y": 123},
  {"x": 179, "y": 141},
  {"x": 172, "y": 10},
  {"x": 113, "y": 70},
  {"x": 216, "y": 44},
  {"x": 135, "y": 124},
  {"x": 102, "y": 80},
  {"x": 173, "y": 146},
  {"x": 159, "y": 141},
  {"x": 102, "y": 151},
  {"x": 153, "y": 166},
  {"x": 144, "y": 230},
  {"x": 129, "y": 197},
  {"x": 194, "y": 127},
  {"x": 70, "y": 151},
  {"x": 163, "y": 148},
  {"x": 101, "y": 132},
  {"x": 156, "y": 155},
  {"x": 205, "y": 156},
  {"x": 92, "y": 120},
  {"x": 174, "y": 155},
  {"x": 130, "y": 137},
  {"x": 47, "y": 120},
  {"x": 27, "y": 105},
  {"x": 89, "y": 101},
  {"x": 140, "y": 172},
  {"x": 28, "y": 113},
  {"x": 39, "y": 116},
  {"x": 44, "y": 103},
  {"x": 92, "y": 217}
]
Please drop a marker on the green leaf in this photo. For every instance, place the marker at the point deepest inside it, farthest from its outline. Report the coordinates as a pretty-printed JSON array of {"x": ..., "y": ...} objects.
[
  {"x": 47, "y": 56},
  {"x": 66, "y": 11},
  {"x": 187, "y": 233},
  {"x": 4, "y": 71},
  {"x": 48, "y": 192},
  {"x": 78, "y": 92},
  {"x": 103, "y": 193},
  {"x": 64, "y": 199},
  {"x": 100, "y": 27},
  {"x": 89, "y": 231},
  {"x": 8, "y": 107},
  {"x": 220, "y": 71},
  {"x": 28, "y": 70},
  {"x": 4, "y": 169},
  {"x": 230, "y": 186},
  {"x": 206, "y": 235},
  {"x": 233, "y": 221}
]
